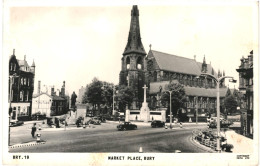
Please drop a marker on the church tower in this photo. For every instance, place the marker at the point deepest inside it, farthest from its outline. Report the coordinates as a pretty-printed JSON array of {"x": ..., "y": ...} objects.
[{"x": 132, "y": 70}]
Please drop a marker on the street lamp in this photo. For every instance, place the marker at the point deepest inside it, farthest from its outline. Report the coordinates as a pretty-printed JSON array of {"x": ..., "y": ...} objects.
[
  {"x": 218, "y": 104},
  {"x": 170, "y": 91},
  {"x": 11, "y": 77}
]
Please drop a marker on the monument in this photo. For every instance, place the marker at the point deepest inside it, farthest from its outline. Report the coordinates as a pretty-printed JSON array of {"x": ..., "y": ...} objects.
[
  {"x": 73, "y": 113},
  {"x": 145, "y": 111}
]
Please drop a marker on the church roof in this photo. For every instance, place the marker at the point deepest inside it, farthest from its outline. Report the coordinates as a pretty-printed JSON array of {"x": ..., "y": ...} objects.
[
  {"x": 175, "y": 63},
  {"x": 190, "y": 91}
]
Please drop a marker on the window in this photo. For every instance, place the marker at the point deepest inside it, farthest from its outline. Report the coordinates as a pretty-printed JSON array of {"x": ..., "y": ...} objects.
[
  {"x": 18, "y": 111},
  {"x": 21, "y": 95},
  {"x": 27, "y": 96},
  {"x": 28, "y": 81},
  {"x": 154, "y": 76},
  {"x": 11, "y": 66},
  {"x": 24, "y": 81},
  {"x": 139, "y": 63},
  {"x": 127, "y": 79},
  {"x": 14, "y": 67},
  {"x": 21, "y": 81},
  {"x": 127, "y": 63}
]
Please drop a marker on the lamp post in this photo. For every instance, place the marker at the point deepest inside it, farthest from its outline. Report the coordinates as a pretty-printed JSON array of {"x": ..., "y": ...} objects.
[
  {"x": 217, "y": 80},
  {"x": 10, "y": 101},
  {"x": 170, "y": 92},
  {"x": 197, "y": 105}
]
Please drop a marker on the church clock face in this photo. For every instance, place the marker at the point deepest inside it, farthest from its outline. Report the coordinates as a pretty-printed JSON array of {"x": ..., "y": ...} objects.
[{"x": 150, "y": 65}]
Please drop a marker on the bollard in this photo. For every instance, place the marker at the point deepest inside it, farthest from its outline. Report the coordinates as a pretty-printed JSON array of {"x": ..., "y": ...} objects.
[
  {"x": 166, "y": 127},
  {"x": 180, "y": 125},
  {"x": 140, "y": 150},
  {"x": 38, "y": 137},
  {"x": 84, "y": 126}
]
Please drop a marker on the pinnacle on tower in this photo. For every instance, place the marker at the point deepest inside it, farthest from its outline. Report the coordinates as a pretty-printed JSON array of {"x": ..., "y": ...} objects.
[
  {"x": 134, "y": 43},
  {"x": 212, "y": 71},
  {"x": 33, "y": 64},
  {"x": 204, "y": 66}
]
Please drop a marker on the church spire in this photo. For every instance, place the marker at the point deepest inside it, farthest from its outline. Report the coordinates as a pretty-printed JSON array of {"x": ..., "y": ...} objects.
[{"x": 134, "y": 43}]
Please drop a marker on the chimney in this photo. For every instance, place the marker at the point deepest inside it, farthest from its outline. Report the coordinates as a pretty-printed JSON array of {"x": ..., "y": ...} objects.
[
  {"x": 195, "y": 57},
  {"x": 24, "y": 57},
  {"x": 39, "y": 87},
  {"x": 52, "y": 91}
]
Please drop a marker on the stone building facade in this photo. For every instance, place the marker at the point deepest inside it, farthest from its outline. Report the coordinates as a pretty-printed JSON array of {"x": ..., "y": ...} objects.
[
  {"x": 21, "y": 87},
  {"x": 245, "y": 71}
]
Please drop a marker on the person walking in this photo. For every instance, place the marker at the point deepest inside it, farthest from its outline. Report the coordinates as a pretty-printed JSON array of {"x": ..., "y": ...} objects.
[{"x": 33, "y": 130}]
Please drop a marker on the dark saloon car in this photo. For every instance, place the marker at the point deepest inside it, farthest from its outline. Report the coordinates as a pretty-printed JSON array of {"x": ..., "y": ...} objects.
[
  {"x": 157, "y": 123},
  {"x": 224, "y": 123},
  {"x": 95, "y": 121},
  {"x": 16, "y": 123},
  {"x": 126, "y": 126}
]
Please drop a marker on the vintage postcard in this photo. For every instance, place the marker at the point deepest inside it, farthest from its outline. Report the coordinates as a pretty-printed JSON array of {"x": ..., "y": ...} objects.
[{"x": 130, "y": 83}]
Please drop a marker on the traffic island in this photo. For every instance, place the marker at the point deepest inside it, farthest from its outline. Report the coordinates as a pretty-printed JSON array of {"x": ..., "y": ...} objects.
[{"x": 27, "y": 144}]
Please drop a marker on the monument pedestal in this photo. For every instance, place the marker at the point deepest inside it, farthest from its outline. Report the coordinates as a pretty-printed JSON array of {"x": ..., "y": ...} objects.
[{"x": 145, "y": 112}]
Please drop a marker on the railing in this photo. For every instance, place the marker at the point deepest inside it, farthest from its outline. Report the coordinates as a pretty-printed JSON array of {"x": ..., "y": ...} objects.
[{"x": 197, "y": 135}]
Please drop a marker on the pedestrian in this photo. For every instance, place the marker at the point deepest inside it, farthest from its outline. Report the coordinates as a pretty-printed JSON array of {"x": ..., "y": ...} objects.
[{"x": 33, "y": 130}]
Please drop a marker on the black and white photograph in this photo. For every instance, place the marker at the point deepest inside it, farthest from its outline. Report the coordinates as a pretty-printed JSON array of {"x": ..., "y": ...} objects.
[{"x": 130, "y": 83}]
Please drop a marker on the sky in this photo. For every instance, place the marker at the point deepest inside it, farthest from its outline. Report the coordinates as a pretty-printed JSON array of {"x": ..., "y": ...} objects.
[{"x": 76, "y": 44}]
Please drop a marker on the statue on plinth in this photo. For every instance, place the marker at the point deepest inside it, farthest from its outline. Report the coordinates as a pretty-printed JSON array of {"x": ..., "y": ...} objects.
[{"x": 73, "y": 100}]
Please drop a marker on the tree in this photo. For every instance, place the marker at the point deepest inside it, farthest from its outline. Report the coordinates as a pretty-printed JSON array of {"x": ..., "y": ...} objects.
[
  {"x": 124, "y": 96},
  {"x": 93, "y": 93},
  {"x": 178, "y": 97},
  {"x": 230, "y": 104},
  {"x": 98, "y": 92}
]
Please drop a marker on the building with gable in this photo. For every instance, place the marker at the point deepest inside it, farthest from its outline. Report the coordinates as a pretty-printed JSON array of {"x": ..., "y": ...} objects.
[
  {"x": 50, "y": 104},
  {"x": 157, "y": 69},
  {"x": 21, "y": 87}
]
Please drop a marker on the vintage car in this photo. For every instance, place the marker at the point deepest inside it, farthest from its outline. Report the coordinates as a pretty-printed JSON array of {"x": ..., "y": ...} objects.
[
  {"x": 126, "y": 126},
  {"x": 95, "y": 121},
  {"x": 157, "y": 123},
  {"x": 16, "y": 123},
  {"x": 224, "y": 123}
]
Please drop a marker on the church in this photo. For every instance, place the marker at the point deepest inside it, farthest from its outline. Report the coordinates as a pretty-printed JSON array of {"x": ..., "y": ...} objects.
[{"x": 156, "y": 69}]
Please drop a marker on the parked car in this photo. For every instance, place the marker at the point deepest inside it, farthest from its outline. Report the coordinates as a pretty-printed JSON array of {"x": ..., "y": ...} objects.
[
  {"x": 126, "y": 126},
  {"x": 157, "y": 123},
  {"x": 38, "y": 116},
  {"x": 95, "y": 121},
  {"x": 16, "y": 123},
  {"x": 224, "y": 123},
  {"x": 102, "y": 119}
]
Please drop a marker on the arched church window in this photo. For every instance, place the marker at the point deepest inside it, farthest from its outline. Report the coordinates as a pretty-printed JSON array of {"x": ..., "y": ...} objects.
[
  {"x": 127, "y": 80},
  {"x": 127, "y": 63},
  {"x": 150, "y": 65},
  {"x": 11, "y": 66},
  {"x": 154, "y": 76},
  {"x": 139, "y": 63}
]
